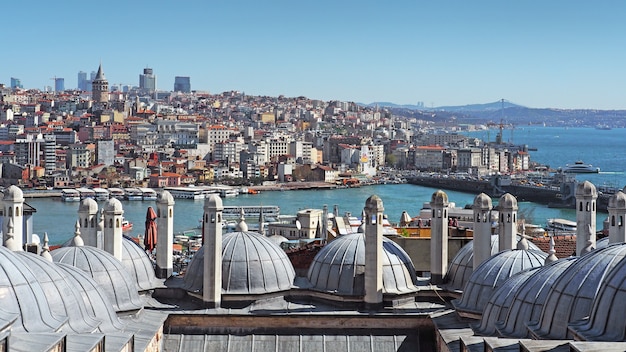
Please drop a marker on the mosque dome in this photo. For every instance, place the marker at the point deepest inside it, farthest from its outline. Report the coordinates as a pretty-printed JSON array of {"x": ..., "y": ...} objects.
[
  {"x": 251, "y": 264},
  {"x": 107, "y": 271},
  {"x": 88, "y": 205},
  {"x": 339, "y": 267},
  {"x": 507, "y": 201},
  {"x": 529, "y": 299},
  {"x": 14, "y": 194},
  {"x": 462, "y": 265},
  {"x": 571, "y": 296},
  {"x": 98, "y": 305},
  {"x": 586, "y": 189},
  {"x": 277, "y": 239},
  {"x": 139, "y": 265},
  {"x": 618, "y": 201},
  {"x": 64, "y": 298},
  {"x": 500, "y": 302},
  {"x": 491, "y": 274},
  {"x": 114, "y": 205},
  {"x": 23, "y": 297},
  {"x": 606, "y": 321},
  {"x": 482, "y": 201}
]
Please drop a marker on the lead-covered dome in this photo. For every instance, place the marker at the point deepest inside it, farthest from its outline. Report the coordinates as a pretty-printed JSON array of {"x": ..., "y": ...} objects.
[
  {"x": 586, "y": 189},
  {"x": 617, "y": 201},
  {"x": 499, "y": 303},
  {"x": 339, "y": 268},
  {"x": 251, "y": 264},
  {"x": 490, "y": 275},
  {"x": 139, "y": 266},
  {"x": 24, "y": 298},
  {"x": 606, "y": 321},
  {"x": 107, "y": 271},
  {"x": 530, "y": 297},
  {"x": 572, "y": 294},
  {"x": 462, "y": 265}
]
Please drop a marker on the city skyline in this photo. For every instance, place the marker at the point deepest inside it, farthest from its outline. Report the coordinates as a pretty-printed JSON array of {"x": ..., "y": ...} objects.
[{"x": 557, "y": 54}]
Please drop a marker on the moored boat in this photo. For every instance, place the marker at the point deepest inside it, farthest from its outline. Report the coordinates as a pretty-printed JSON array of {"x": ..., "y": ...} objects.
[{"x": 70, "y": 195}]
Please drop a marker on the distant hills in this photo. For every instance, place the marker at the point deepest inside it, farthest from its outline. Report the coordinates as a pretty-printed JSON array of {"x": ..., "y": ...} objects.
[{"x": 509, "y": 113}]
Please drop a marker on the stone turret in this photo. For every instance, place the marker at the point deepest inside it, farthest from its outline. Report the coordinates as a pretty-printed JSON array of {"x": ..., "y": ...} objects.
[
  {"x": 13, "y": 210},
  {"x": 212, "y": 240},
  {"x": 586, "y": 196},
  {"x": 373, "y": 219},
  {"x": 507, "y": 206},
  {"x": 88, "y": 218},
  {"x": 113, "y": 235},
  {"x": 482, "y": 228},
  {"x": 617, "y": 216},
  {"x": 439, "y": 236},
  {"x": 165, "y": 235}
]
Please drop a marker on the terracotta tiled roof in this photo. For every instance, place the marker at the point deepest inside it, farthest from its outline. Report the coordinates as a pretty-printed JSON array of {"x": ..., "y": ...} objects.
[{"x": 565, "y": 245}]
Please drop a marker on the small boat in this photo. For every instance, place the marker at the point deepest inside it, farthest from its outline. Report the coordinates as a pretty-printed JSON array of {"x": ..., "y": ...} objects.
[
  {"x": 561, "y": 225},
  {"x": 126, "y": 225},
  {"x": 579, "y": 167}
]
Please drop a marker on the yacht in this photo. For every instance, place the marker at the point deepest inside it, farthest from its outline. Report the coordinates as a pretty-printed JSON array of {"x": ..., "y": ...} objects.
[{"x": 579, "y": 167}]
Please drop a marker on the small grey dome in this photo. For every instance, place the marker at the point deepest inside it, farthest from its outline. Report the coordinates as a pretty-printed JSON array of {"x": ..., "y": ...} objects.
[
  {"x": 530, "y": 298},
  {"x": 95, "y": 300},
  {"x": 165, "y": 197},
  {"x": 139, "y": 265},
  {"x": 13, "y": 194},
  {"x": 572, "y": 294},
  {"x": 339, "y": 267},
  {"x": 23, "y": 295},
  {"x": 251, "y": 264},
  {"x": 606, "y": 321},
  {"x": 500, "y": 301},
  {"x": 586, "y": 189},
  {"x": 508, "y": 202},
  {"x": 617, "y": 201},
  {"x": 439, "y": 198},
  {"x": 88, "y": 205},
  {"x": 491, "y": 274},
  {"x": 462, "y": 265},
  {"x": 277, "y": 239},
  {"x": 107, "y": 271},
  {"x": 482, "y": 201},
  {"x": 113, "y": 205},
  {"x": 63, "y": 297}
]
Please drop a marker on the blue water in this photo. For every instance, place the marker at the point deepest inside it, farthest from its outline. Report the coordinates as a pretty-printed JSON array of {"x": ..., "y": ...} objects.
[{"x": 556, "y": 147}]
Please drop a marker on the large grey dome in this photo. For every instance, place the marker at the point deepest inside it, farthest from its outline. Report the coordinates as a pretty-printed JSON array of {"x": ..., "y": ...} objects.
[
  {"x": 530, "y": 298},
  {"x": 63, "y": 297},
  {"x": 500, "y": 301},
  {"x": 462, "y": 265},
  {"x": 24, "y": 298},
  {"x": 339, "y": 267},
  {"x": 606, "y": 321},
  {"x": 107, "y": 271},
  {"x": 95, "y": 300},
  {"x": 139, "y": 265},
  {"x": 251, "y": 264},
  {"x": 491, "y": 274},
  {"x": 573, "y": 292}
]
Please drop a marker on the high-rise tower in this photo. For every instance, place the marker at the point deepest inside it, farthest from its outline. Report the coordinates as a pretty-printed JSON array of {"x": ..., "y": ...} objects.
[{"x": 100, "y": 87}]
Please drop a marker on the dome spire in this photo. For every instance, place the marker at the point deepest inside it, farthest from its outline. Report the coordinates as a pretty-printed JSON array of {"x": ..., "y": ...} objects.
[
  {"x": 552, "y": 257},
  {"x": 45, "y": 250},
  {"x": 9, "y": 240},
  {"x": 242, "y": 226},
  {"x": 78, "y": 241}
]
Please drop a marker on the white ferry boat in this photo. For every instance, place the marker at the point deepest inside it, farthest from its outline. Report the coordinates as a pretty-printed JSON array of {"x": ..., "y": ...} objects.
[
  {"x": 132, "y": 194},
  {"x": 579, "y": 167},
  {"x": 186, "y": 192},
  {"x": 86, "y": 193},
  {"x": 250, "y": 211},
  {"x": 70, "y": 195},
  {"x": 101, "y": 193},
  {"x": 148, "y": 193},
  {"x": 561, "y": 225},
  {"x": 117, "y": 193}
]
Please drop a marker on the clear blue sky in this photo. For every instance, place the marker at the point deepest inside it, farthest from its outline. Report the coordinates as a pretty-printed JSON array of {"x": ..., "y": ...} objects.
[{"x": 537, "y": 53}]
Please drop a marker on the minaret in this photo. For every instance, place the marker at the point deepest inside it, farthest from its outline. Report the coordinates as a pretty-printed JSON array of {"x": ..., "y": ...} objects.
[
  {"x": 100, "y": 87},
  {"x": 507, "y": 226},
  {"x": 482, "y": 228},
  {"x": 617, "y": 215},
  {"x": 212, "y": 234},
  {"x": 165, "y": 235},
  {"x": 438, "y": 237},
  {"x": 373, "y": 220},
  {"x": 586, "y": 196},
  {"x": 13, "y": 205},
  {"x": 88, "y": 218},
  {"x": 113, "y": 216}
]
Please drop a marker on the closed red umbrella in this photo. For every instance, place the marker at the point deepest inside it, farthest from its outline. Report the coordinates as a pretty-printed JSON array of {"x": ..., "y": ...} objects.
[{"x": 150, "y": 236}]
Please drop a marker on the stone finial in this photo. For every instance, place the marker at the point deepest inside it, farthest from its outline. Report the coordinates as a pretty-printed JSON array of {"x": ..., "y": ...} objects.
[
  {"x": 552, "y": 252},
  {"x": 77, "y": 241},
  {"x": 45, "y": 250},
  {"x": 242, "y": 226},
  {"x": 590, "y": 243},
  {"x": 9, "y": 240}
]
